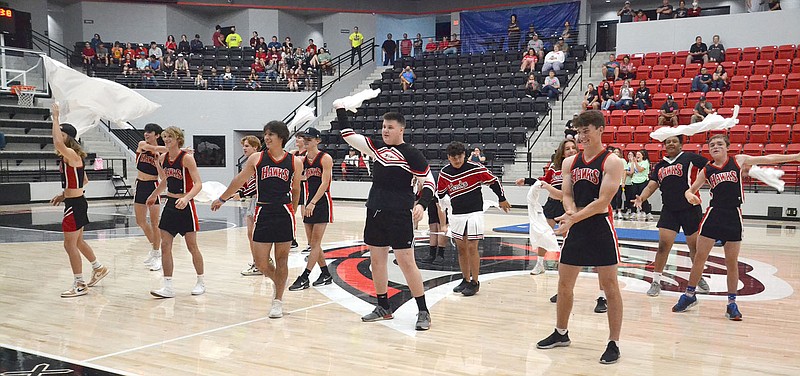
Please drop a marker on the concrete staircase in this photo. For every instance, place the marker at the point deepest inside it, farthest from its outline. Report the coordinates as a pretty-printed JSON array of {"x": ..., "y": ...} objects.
[{"x": 100, "y": 141}]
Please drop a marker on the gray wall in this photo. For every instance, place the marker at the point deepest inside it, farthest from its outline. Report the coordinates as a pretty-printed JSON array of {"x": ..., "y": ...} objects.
[
  {"x": 124, "y": 22},
  {"x": 37, "y": 9},
  {"x": 184, "y": 21},
  {"x": 295, "y": 27},
  {"x": 265, "y": 21},
  {"x": 332, "y": 26}
]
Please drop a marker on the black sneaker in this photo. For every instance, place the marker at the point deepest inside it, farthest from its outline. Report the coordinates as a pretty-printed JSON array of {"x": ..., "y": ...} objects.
[
  {"x": 554, "y": 298},
  {"x": 461, "y": 286},
  {"x": 602, "y": 305},
  {"x": 472, "y": 288},
  {"x": 294, "y": 243},
  {"x": 430, "y": 259},
  {"x": 306, "y": 250},
  {"x": 554, "y": 340},
  {"x": 324, "y": 279},
  {"x": 611, "y": 355},
  {"x": 301, "y": 283}
]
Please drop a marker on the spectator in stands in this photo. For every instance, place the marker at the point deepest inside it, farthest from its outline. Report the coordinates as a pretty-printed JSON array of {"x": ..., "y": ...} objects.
[
  {"x": 96, "y": 41},
  {"x": 389, "y": 48},
  {"x": 702, "y": 109},
  {"x": 774, "y": 5},
  {"x": 273, "y": 54},
  {"x": 529, "y": 60},
  {"x": 681, "y": 11},
  {"x": 259, "y": 67},
  {"x": 271, "y": 68},
  {"x": 149, "y": 76},
  {"x": 566, "y": 34},
  {"x": 719, "y": 80},
  {"x": 128, "y": 66},
  {"x": 282, "y": 70},
  {"x": 418, "y": 45},
  {"x": 611, "y": 68},
  {"x": 716, "y": 51},
  {"x": 563, "y": 46},
  {"x": 443, "y": 45},
  {"x": 218, "y": 39},
  {"x": 170, "y": 45},
  {"x": 274, "y": 44},
  {"x": 254, "y": 40},
  {"x": 640, "y": 16},
  {"x": 261, "y": 53},
  {"x": 155, "y": 65},
  {"x": 129, "y": 52},
  {"x": 324, "y": 61},
  {"x": 553, "y": 61},
  {"x": 287, "y": 43},
  {"x": 626, "y": 94},
  {"x": 537, "y": 45},
  {"x": 532, "y": 87},
  {"x": 431, "y": 46},
  {"x": 227, "y": 81},
  {"x": 155, "y": 51},
  {"x": 356, "y": 39},
  {"x": 569, "y": 129},
  {"x": 183, "y": 46},
  {"x": 199, "y": 81},
  {"x": 117, "y": 54},
  {"x": 142, "y": 63},
  {"x": 513, "y": 33},
  {"x": 626, "y": 70},
  {"x": 698, "y": 52},
  {"x": 233, "y": 40},
  {"x": 214, "y": 79},
  {"x": 405, "y": 46},
  {"x": 453, "y": 46},
  {"x": 529, "y": 35},
  {"x": 261, "y": 44},
  {"x": 665, "y": 11},
  {"x": 168, "y": 66},
  {"x": 182, "y": 67},
  {"x": 626, "y": 13},
  {"x": 551, "y": 86},
  {"x": 590, "y": 98},
  {"x": 694, "y": 11},
  {"x": 643, "y": 99},
  {"x": 88, "y": 55},
  {"x": 476, "y": 156},
  {"x": 311, "y": 48},
  {"x": 407, "y": 78},
  {"x": 669, "y": 113},
  {"x": 607, "y": 95},
  {"x": 102, "y": 54},
  {"x": 641, "y": 171},
  {"x": 196, "y": 45},
  {"x": 142, "y": 50},
  {"x": 702, "y": 82},
  {"x": 350, "y": 169},
  {"x": 253, "y": 81}
]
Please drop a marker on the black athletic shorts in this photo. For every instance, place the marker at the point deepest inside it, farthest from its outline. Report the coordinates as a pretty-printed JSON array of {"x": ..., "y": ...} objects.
[
  {"x": 75, "y": 214},
  {"x": 688, "y": 219},
  {"x": 323, "y": 211},
  {"x": 591, "y": 242},
  {"x": 723, "y": 224},
  {"x": 553, "y": 208},
  {"x": 178, "y": 221},
  {"x": 433, "y": 215},
  {"x": 274, "y": 223},
  {"x": 393, "y": 228},
  {"x": 144, "y": 188}
]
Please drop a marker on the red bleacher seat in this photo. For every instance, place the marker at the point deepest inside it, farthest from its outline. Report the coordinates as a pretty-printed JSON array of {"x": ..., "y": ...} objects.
[
  {"x": 624, "y": 133},
  {"x": 634, "y": 147},
  {"x": 654, "y": 151},
  {"x": 634, "y": 117},
  {"x": 685, "y": 114},
  {"x": 726, "y": 112},
  {"x": 793, "y": 148},
  {"x": 675, "y": 71},
  {"x": 782, "y": 66},
  {"x": 796, "y": 65},
  {"x": 697, "y": 138},
  {"x": 751, "y": 98},
  {"x": 659, "y": 72},
  {"x": 768, "y": 53},
  {"x": 791, "y": 173},
  {"x": 637, "y": 61},
  {"x": 691, "y": 147},
  {"x": 776, "y": 81},
  {"x": 790, "y": 97},
  {"x": 617, "y": 86},
  {"x": 658, "y": 101},
  {"x": 692, "y": 70},
  {"x": 643, "y": 72},
  {"x": 642, "y": 133},
  {"x": 779, "y": 133},
  {"x": 750, "y": 53},
  {"x": 608, "y": 134},
  {"x": 668, "y": 85},
  {"x": 786, "y": 51},
  {"x": 618, "y": 145},
  {"x": 733, "y": 54},
  {"x": 715, "y": 98},
  {"x": 770, "y": 98},
  {"x": 753, "y": 149},
  {"x": 710, "y": 66},
  {"x": 745, "y": 115},
  {"x": 745, "y": 68},
  {"x": 666, "y": 58},
  {"x": 763, "y": 67},
  {"x": 796, "y": 134},
  {"x": 685, "y": 85},
  {"x": 730, "y": 66},
  {"x": 785, "y": 115},
  {"x": 759, "y": 133},
  {"x": 692, "y": 98},
  {"x": 734, "y": 149},
  {"x": 651, "y": 115},
  {"x": 651, "y": 58},
  {"x": 757, "y": 82},
  {"x": 764, "y": 115},
  {"x": 738, "y": 133},
  {"x": 606, "y": 115},
  {"x": 618, "y": 119},
  {"x": 653, "y": 84},
  {"x": 732, "y": 98},
  {"x": 680, "y": 99},
  {"x": 704, "y": 151},
  {"x": 774, "y": 149},
  {"x": 680, "y": 56},
  {"x": 793, "y": 80},
  {"x": 738, "y": 83}
]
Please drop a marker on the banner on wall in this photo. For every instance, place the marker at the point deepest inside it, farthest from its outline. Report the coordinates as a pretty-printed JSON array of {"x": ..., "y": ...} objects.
[{"x": 489, "y": 30}]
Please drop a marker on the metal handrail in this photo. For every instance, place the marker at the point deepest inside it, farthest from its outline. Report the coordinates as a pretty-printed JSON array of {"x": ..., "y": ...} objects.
[
  {"x": 52, "y": 46},
  {"x": 566, "y": 95},
  {"x": 547, "y": 126}
]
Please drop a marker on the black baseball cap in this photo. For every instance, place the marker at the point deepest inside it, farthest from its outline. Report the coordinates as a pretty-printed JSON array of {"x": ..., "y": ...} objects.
[
  {"x": 669, "y": 97},
  {"x": 69, "y": 130},
  {"x": 702, "y": 97},
  {"x": 312, "y": 133}
]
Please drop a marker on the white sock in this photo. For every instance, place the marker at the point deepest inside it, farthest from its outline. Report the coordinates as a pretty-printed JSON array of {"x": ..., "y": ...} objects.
[
  {"x": 656, "y": 277},
  {"x": 561, "y": 331},
  {"x": 200, "y": 278},
  {"x": 96, "y": 265},
  {"x": 540, "y": 261},
  {"x": 602, "y": 294},
  {"x": 168, "y": 282},
  {"x": 79, "y": 278}
]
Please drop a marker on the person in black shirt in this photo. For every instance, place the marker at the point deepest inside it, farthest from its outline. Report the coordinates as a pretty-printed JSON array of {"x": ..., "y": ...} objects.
[
  {"x": 665, "y": 11},
  {"x": 698, "y": 52},
  {"x": 388, "y": 47},
  {"x": 774, "y": 5},
  {"x": 391, "y": 210},
  {"x": 681, "y": 11},
  {"x": 643, "y": 100},
  {"x": 626, "y": 13},
  {"x": 702, "y": 82},
  {"x": 569, "y": 130},
  {"x": 669, "y": 112},
  {"x": 716, "y": 51},
  {"x": 590, "y": 98}
]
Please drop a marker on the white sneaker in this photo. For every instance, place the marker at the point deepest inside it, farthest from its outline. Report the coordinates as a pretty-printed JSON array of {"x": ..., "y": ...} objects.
[
  {"x": 156, "y": 264},
  {"x": 150, "y": 256},
  {"x": 251, "y": 270},
  {"x": 199, "y": 288},
  {"x": 277, "y": 309},
  {"x": 538, "y": 269},
  {"x": 640, "y": 216},
  {"x": 649, "y": 217},
  {"x": 164, "y": 292}
]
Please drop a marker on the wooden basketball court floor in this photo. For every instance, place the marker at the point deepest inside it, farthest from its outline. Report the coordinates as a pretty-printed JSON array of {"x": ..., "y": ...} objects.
[{"x": 120, "y": 328}]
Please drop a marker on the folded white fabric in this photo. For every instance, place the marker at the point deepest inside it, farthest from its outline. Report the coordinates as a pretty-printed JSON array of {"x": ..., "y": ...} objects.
[
  {"x": 304, "y": 115},
  {"x": 211, "y": 191},
  {"x": 770, "y": 176},
  {"x": 711, "y": 122},
  {"x": 540, "y": 232},
  {"x": 84, "y": 100},
  {"x": 353, "y": 102}
]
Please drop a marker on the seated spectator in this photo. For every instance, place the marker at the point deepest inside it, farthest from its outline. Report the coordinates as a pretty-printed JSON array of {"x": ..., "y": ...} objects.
[
  {"x": 701, "y": 110},
  {"x": 214, "y": 80},
  {"x": 640, "y": 16},
  {"x": 607, "y": 96},
  {"x": 669, "y": 113},
  {"x": 626, "y": 94},
  {"x": 252, "y": 81},
  {"x": 233, "y": 40},
  {"x": 155, "y": 51},
  {"x": 261, "y": 54},
  {"x": 102, "y": 54},
  {"x": 716, "y": 51},
  {"x": 292, "y": 78},
  {"x": 407, "y": 78},
  {"x": 271, "y": 69},
  {"x": 698, "y": 53},
  {"x": 774, "y": 5},
  {"x": 311, "y": 48},
  {"x": 311, "y": 79},
  {"x": 529, "y": 60},
  {"x": 431, "y": 46},
  {"x": 626, "y": 13},
  {"x": 702, "y": 82},
  {"x": 551, "y": 86},
  {"x": 274, "y": 44},
  {"x": 443, "y": 45},
  {"x": 154, "y": 65},
  {"x": 262, "y": 44},
  {"x": 532, "y": 87},
  {"x": 96, "y": 41},
  {"x": 626, "y": 70},
  {"x": 566, "y": 34},
  {"x": 88, "y": 55},
  {"x": 260, "y": 68},
  {"x": 254, "y": 40},
  {"x": 168, "y": 66},
  {"x": 287, "y": 44},
  {"x": 537, "y": 45},
  {"x": 611, "y": 68},
  {"x": 170, "y": 45},
  {"x": 350, "y": 169},
  {"x": 664, "y": 11},
  {"x": 128, "y": 67},
  {"x": 199, "y": 81},
  {"x": 117, "y": 54},
  {"x": 719, "y": 80},
  {"x": 183, "y": 46},
  {"x": 418, "y": 45},
  {"x": 129, "y": 53},
  {"x": 227, "y": 81},
  {"x": 196, "y": 45},
  {"x": 477, "y": 157},
  {"x": 590, "y": 98},
  {"x": 553, "y": 61},
  {"x": 324, "y": 61},
  {"x": 694, "y": 11},
  {"x": 273, "y": 54},
  {"x": 142, "y": 50},
  {"x": 643, "y": 99},
  {"x": 563, "y": 46},
  {"x": 182, "y": 67},
  {"x": 569, "y": 129},
  {"x": 453, "y": 46},
  {"x": 149, "y": 74},
  {"x": 681, "y": 11}
]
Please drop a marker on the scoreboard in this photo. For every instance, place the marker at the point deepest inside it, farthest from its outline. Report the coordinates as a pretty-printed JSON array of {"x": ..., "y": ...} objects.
[{"x": 8, "y": 23}]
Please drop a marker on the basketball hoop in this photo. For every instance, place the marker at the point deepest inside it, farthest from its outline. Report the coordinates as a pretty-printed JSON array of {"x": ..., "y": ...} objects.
[{"x": 25, "y": 94}]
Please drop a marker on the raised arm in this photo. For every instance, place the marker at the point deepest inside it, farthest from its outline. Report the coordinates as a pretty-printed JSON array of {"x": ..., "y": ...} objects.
[
  {"x": 69, "y": 155},
  {"x": 357, "y": 141},
  {"x": 744, "y": 159}
]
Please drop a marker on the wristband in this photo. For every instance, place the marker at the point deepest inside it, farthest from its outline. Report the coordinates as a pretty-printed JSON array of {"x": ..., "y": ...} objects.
[{"x": 222, "y": 199}]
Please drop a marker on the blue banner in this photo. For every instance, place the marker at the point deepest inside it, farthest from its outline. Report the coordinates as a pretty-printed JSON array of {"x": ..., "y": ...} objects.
[{"x": 489, "y": 30}]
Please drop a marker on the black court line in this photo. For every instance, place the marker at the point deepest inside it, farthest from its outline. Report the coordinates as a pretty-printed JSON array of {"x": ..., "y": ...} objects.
[{"x": 15, "y": 361}]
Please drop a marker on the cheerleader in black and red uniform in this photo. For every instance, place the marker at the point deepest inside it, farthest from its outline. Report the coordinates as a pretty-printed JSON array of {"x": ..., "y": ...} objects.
[
  {"x": 250, "y": 146},
  {"x": 147, "y": 154}
]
